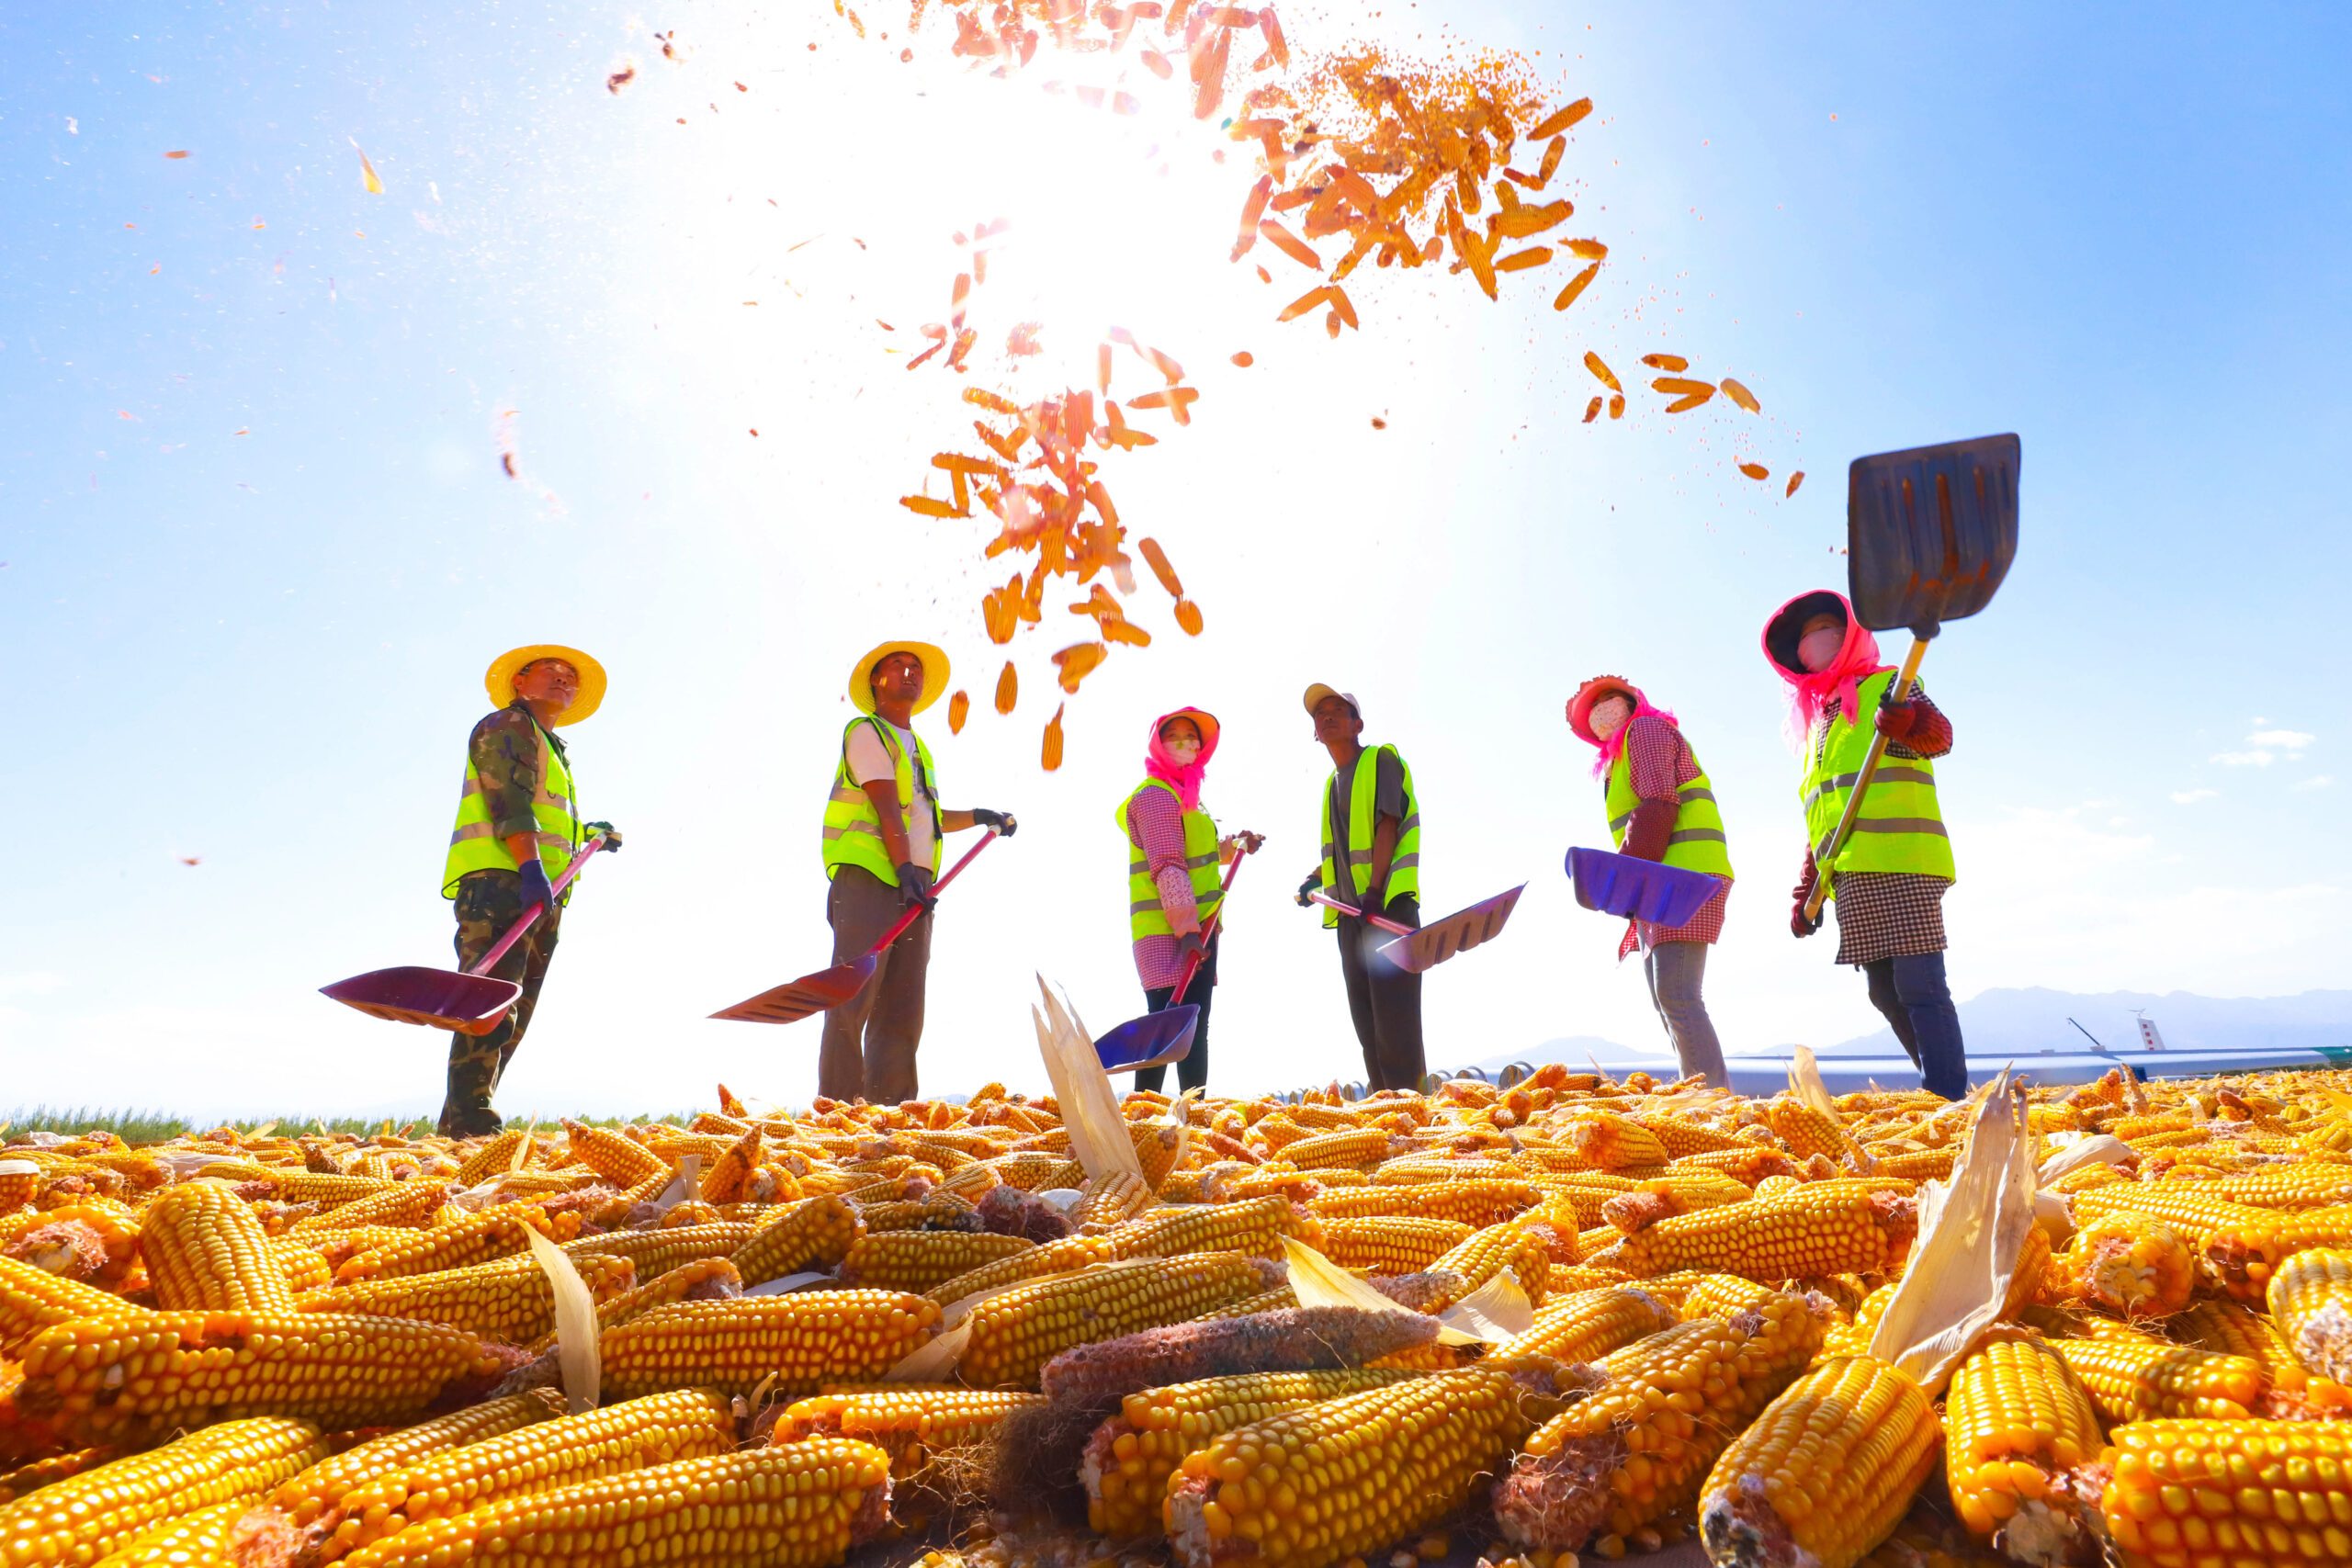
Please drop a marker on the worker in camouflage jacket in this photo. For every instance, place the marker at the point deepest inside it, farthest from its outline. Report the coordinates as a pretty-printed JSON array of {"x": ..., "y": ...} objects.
[{"x": 518, "y": 827}]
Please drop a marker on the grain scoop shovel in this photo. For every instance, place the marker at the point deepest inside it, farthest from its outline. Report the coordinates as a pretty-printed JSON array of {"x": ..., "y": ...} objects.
[
  {"x": 1415, "y": 951},
  {"x": 1929, "y": 535},
  {"x": 1158, "y": 1038},
  {"x": 469, "y": 1000}
]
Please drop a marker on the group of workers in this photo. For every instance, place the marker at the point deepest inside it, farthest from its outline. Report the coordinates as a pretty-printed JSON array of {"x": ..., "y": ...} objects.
[{"x": 518, "y": 827}]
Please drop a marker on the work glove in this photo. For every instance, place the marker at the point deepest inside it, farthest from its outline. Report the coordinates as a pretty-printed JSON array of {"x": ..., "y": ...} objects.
[
  {"x": 1309, "y": 886},
  {"x": 1798, "y": 925},
  {"x": 1000, "y": 820},
  {"x": 914, "y": 886},
  {"x": 1896, "y": 720},
  {"x": 1188, "y": 944},
  {"x": 536, "y": 889},
  {"x": 1248, "y": 842},
  {"x": 612, "y": 835}
]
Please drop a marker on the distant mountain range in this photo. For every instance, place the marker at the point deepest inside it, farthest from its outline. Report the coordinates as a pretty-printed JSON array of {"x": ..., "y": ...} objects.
[{"x": 2010, "y": 1022}]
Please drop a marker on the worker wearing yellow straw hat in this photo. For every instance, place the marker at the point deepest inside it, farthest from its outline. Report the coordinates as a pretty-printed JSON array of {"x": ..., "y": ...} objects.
[
  {"x": 518, "y": 826},
  {"x": 883, "y": 829}
]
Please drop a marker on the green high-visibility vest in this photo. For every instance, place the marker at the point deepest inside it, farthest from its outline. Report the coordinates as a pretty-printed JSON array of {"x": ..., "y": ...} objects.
[
  {"x": 1146, "y": 916},
  {"x": 1901, "y": 827},
  {"x": 475, "y": 846},
  {"x": 1697, "y": 842},
  {"x": 1404, "y": 869},
  {"x": 853, "y": 830}
]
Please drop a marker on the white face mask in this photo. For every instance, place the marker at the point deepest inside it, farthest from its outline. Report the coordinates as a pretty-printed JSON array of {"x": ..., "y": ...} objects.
[
  {"x": 1185, "y": 751},
  {"x": 1818, "y": 650}
]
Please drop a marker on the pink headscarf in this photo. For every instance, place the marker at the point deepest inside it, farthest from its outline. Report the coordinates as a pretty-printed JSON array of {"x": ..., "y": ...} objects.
[
  {"x": 1602, "y": 687},
  {"x": 1184, "y": 778},
  {"x": 1810, "y": 690}
]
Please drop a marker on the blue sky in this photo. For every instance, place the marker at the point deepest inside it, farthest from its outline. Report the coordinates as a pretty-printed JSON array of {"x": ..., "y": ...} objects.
[{"x": 2118, "y": 231}]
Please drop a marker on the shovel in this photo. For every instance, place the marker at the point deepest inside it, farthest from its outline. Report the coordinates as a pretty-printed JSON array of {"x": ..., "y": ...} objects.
[
  {"x": 1929, "y": 535},
  {"x": 1639, "y": 889},
  {"x": 1158, "y": 1038},
  {"x": 1415, "y": 951},
  {"x": 470, "y": 1001},
  {"x": 795, "y": 999}
]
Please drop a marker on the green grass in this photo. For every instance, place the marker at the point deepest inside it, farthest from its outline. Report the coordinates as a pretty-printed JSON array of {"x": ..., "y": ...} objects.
[{"x": 157, "y": 1126}]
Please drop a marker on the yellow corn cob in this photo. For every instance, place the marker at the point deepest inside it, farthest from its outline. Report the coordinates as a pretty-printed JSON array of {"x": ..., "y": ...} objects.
[
  {"x": 509, "y": 1300},
  {"x": 1918, "y": 1165},
  {"x": 206, "y": 1252},
  {"x": 27, "y": 1479},
  {"x": 1804, "y": 1131},
  {"x": 804, "y": 1339},
  {"x": 2311, "y": 1301},
  {"x": 916, "y": 1260},
  {"x": 2186, "y": 1494},
  {"x": 1587, "y": 1325},
  {"x": 1110, "y": 1199},
  {"x": 102, "y": 1377},
  {"x": 2294, "y": 1391},
  {"x": 84, "y": 1518},
  {"x": 1682, "y": 1135},
  {"x": 1823, "y": 1473},
  {"x": 1131, "y": 1457},
  {"x": 327, "y": 1191},
  {"x": 1159, "y": 1146},
  {"x": 1051, "y": 1257},
  {"x": 1314, "y": 1486},
  {"x": 723, "y": 1182},
  {"x": 2033, "y": 1266},
  {"x": 2133, "y": 1266},
  {"x": 1637, "y": 1448},
  {"x": 407, "y": 1204},
  {"x": 706, "y": 1278},
  {"x": 657, "y": 1251},
  {"x": 201, "y": 1538},
  {"x": 913, "y": 1426},
  {"x": 2244, "y": 1255},
  {"x": 302, "y": 1265},
  {"x": 1253, "y": 1226},
  {"x": 2301, "y": 1185},
  {"x": 493, "y": 1158},
  {"x": 1391, "y": 1244},
  {"x": 1015, "y": 1334},
  {"x": 1355, "y": 1149},
  {"x": 800, "y": 1506},
  {"x": 619, "y": 1159},
  {"x": 1463, "y": 1269},
  {"x": 1480, "y": 1201},
  {"x": 2018, "y": 1431},
  {"x": 33, "y": 1299},
  {"x": 935, "y": 1210},
  {"x": 476, "y": 1238},
  {"x": 1607, "y": 1141},
  {"x": 1822, "y": 1228},
  {"x": 1854, "y": 1339},
  {"x": 307, "y": 1498},
  {"x": 2133, "y": 1378},
  {"x": 815, "y": 1233},
  {"x": 1723, "y": 1295}
]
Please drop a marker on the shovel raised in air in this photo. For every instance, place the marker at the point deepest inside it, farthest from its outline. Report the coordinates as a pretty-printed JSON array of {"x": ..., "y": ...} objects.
[
  {"x": 795, "y": 999},
  {"x": 1415, "y": 951},
  {"x": 1158, "y": 1038},
  {"x": 469, "y": 1000},
  {"x": 1929, "y": 535}
]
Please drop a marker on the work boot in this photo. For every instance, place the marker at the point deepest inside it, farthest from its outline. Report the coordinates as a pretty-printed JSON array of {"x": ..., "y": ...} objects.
[{"x": 472, "y": 1121}]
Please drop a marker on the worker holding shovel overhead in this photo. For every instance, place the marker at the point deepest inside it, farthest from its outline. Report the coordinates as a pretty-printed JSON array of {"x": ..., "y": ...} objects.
[
  {"x": 1372, "y": 858},
  {"x": 1888, "y": 880},
  {"x": 1661, "y": 807},
  {"x": 518, "y": 827},
  {"x": 1174, "y": 890},
  {"x": 882, "y": 831}
]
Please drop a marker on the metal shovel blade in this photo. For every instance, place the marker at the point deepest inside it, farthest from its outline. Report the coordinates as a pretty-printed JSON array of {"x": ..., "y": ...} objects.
[
  {"x": 1153, "y": 1039},
  {"x": 437, "y": 998},
  {"x": 1458, "y": 933},
  {"x": 795, "y": 999},
  {"x": 1931, "y": 532}
]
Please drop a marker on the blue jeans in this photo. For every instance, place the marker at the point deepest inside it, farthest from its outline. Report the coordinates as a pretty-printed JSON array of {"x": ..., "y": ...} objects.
[{"x": 1911, "y": 992}]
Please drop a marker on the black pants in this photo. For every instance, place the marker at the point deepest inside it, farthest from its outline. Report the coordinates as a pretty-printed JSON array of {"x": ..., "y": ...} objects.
[
  {"x": 1384, "y": 1000},
  {"x": 1192, "y": 1072},
  {"x": 1911, "y": 992}
]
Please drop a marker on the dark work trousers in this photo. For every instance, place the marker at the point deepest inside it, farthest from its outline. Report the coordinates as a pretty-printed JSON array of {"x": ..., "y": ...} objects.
[
  {"x": 1192, "y": 1072},
  {"x": 868, "y": 1052},
  {"x": 487, "y": 903},
  {"x": 1384, "y": 1000},
  {"x": 1911, "y": 992}
]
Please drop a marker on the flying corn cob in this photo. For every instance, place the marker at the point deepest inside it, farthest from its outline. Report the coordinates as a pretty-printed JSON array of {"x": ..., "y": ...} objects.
[
  {"x": 1291, "y": 1340},
  {"x": 1391, "y": 1244},
  {"x": 88, "y": 1515},
  {"x": 1314, "y": 1486},
  {"x": 510, "y": 1301},
  {"x": 1821, "y": 1228},
  {"x": 800, "y": 1340},
  {"x": 313, "y": 1498},
  {"x": 815, "y": 1233},
  {"x": 450, "y": 1483},
  {"x": 913, "y": 1426},
  {"x": 206, "y": 1252},
  {"x": 916, "y": 1260},
  {"x": 1638, "y": 1446},
  {"x": 2186, "y": 1494},
  {"x": 1013, "y": 1336},
  {"x": 2019, "y": 1432},
  {"x": 2132, "y": 1265},
  {"x": 1130, "y": 1458},
  {"x": 801, "y": 1505}
]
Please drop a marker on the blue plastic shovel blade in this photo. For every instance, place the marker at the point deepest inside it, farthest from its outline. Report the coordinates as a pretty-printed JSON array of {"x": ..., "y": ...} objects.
[
  {"x": 1151, "y": 1041},
  {"x": 1643, "y": 889}
]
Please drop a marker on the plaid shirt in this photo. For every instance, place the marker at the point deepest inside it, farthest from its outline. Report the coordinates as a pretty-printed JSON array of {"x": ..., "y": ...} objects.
[
  {"x": 1891, "y": 914},
  {"x": 1661, "y": 762},
  {"x": 1155, "y": 826}
]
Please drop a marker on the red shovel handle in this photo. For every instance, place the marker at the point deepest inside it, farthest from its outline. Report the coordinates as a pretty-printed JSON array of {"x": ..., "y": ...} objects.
[
  {"x": 1381, "y": 920},
  {"x": 515, "y": 933},
  {"x": 915, "y": 912},
  {"x": 1192, "y": 965}
]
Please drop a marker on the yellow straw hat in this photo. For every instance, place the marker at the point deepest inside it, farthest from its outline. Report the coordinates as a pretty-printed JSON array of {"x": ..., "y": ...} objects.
[
  {"x": 934, "y": 674},
  {"x": 500, "y": 680}
]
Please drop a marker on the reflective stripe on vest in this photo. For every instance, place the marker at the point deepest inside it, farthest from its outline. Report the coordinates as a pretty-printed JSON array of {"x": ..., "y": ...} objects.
[
  {"x": 1697, "y": 842},
  {"x": 1404, "y": 866},
  {"x": 474, "y": 843},
  {"x": 1901, "y": 827},
  {"x": 1145, "y": 915},
  {"x": 853, "y": 830}
]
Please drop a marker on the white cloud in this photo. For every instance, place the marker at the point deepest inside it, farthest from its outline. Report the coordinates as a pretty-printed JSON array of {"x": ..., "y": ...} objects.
[
  {"x": 30, "y": 983},
  {"x": 2317, "y": 781},
  {"x": 2243, "y": 759},
  {"x": 2284, "y": 739},
  {"x": 2191, "y": 796}
]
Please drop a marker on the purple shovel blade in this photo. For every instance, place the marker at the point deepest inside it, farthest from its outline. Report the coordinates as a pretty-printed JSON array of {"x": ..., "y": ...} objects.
[
  {"x": 1644, "y": 889},
  {"x": 1151, "y": 1041}
]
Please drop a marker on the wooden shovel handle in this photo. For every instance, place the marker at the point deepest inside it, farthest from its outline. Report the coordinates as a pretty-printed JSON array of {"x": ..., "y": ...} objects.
[{"x": 1821, "y": 861}]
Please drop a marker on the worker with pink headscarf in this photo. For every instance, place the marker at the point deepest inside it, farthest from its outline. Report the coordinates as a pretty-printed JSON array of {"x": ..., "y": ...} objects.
[
  {"x": 1661, "y": 807},
  {"x": 1175, "y": 888},
  {"x": 1888, "y": 880}
]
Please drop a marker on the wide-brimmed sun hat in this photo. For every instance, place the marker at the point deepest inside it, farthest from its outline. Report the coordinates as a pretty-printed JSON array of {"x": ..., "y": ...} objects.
[
  {"x": 499, "y": 680},
  {"x": 934, "y": 674}
]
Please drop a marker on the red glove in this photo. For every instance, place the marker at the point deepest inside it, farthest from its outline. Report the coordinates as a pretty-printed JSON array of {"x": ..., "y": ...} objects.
[
  {"x": 1652, "y": 828},
  {"x": 1799, "y": 923},
  {"x": 1894, "y": 720}
]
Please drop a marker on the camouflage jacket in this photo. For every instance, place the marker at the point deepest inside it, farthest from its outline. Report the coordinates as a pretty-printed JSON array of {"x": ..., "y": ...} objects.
[{"x": 504, "y": 750}]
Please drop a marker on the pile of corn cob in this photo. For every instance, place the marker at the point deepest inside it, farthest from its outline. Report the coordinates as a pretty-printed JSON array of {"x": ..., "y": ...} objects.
[{"x": 1575, "y": 1317}]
